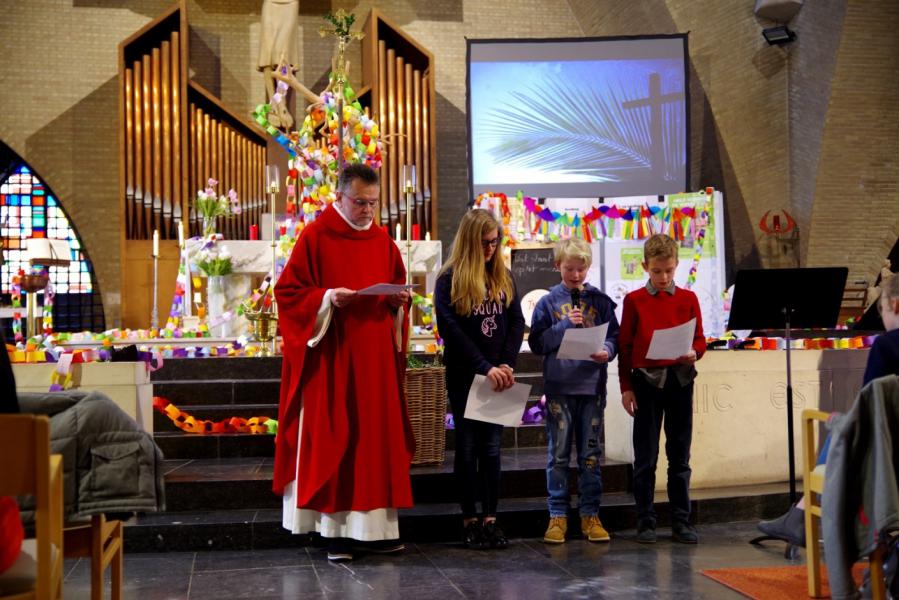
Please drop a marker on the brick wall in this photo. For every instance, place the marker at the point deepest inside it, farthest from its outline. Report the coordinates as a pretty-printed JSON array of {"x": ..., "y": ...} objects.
[{"x": 811, "y": 127}]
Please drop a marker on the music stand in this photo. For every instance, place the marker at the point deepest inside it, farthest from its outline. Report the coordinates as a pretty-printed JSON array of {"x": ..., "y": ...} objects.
[{"x": 788, "y": 298}]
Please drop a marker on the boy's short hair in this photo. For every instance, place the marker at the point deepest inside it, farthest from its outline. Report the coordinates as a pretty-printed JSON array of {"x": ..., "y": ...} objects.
[
  {"x": 573, "y": 248},
  {"x": 659, "y": 246}
]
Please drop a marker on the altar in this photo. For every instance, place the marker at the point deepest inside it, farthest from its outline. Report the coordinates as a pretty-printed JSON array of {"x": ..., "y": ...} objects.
[
  {"x": 739, "y": 412},
  {"x": 252, "y": 260}
]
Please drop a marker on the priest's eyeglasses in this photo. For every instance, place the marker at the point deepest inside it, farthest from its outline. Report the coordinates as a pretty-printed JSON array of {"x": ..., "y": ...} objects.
[
  {"x": 491, "y": 243},
  {"x": 359, "y": 203}
]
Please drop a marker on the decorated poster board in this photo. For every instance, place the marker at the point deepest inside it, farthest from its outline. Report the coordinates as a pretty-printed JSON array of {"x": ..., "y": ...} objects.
[
  {"x": 623, "y": 260},
  {"x": 617, "y": 228},
  {"x": 534, "y": 270}
]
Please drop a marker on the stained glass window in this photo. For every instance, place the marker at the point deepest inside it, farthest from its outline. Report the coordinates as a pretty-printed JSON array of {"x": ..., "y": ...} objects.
[{"x": 29, "y": 210}]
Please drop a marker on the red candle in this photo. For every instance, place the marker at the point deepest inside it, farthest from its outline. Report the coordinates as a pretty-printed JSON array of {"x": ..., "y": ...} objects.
[
  {"x": 254, "y": 232},
  {"x": 283, "y": 229},
  {"x": 416, "y": 232}
]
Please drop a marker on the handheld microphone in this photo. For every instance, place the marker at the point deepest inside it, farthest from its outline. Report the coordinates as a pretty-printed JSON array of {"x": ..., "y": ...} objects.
[{"x": 576, "y": 299}]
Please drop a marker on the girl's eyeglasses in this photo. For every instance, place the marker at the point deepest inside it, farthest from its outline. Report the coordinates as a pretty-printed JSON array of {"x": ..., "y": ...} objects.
[{"x": 491, "y": 243}]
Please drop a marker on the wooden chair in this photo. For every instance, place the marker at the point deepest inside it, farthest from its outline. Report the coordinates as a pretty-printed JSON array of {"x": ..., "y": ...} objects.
[
  {"x": 813, "y": 485},
  {"x": 101, "y": 541},
  {"x": 27, "y": 467}
]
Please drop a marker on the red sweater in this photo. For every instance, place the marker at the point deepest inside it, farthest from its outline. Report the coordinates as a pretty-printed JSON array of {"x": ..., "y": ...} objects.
[{"x": 643, "y": 313}]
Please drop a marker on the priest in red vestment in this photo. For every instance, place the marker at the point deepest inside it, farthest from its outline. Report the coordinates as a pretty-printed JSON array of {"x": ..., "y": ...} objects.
[{"x": 344, "y": 444}]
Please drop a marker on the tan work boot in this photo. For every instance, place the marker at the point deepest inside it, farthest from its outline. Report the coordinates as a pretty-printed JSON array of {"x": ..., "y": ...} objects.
[
  {"x": 593, "y": 530},
  {"x": 555, "y": 533}
]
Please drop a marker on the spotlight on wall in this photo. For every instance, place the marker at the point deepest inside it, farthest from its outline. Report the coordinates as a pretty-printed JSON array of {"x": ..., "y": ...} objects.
[{"x": 778, "y": 35}]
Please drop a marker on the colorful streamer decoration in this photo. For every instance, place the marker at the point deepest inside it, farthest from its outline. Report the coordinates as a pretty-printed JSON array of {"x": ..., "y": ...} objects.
[
  {"x": 188, "y": 424},
  {"x": 525, "y": 218}
]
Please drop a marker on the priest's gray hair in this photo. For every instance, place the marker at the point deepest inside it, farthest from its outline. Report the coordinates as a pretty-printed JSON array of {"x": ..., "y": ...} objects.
[{"x": 355, "y": 171}]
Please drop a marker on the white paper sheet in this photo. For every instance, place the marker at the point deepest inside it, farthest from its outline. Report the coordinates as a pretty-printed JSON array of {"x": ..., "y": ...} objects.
[
  {"x": 503, "y": 408},
  {"x": 580, "y": 342},
  {"x": 385, "y": 289},
  {"x": 671, "y": 343}
]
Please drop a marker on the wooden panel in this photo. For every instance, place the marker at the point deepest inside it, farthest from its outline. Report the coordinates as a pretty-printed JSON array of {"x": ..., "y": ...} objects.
[{"x": 137, "y": 281}]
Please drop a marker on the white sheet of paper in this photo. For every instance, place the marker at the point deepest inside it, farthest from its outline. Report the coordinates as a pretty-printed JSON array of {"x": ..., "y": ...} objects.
[
  {"x": 385, "y": 289},
  {"x": 671, "y": 343},
  {"x": 580, "y": 342},
  {"x": 503, "y": 408}
]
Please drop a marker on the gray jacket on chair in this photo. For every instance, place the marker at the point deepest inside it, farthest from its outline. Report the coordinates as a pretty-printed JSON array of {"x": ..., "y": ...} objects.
[
  {"x": 861, "y": 496},
  {"x": 110, "y": 464}
]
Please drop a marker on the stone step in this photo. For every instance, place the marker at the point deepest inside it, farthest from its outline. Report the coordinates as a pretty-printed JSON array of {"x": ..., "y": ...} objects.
[
  {"x": 189, "y": 392},
  {"x": 258, "y": 391},
  {"x": 246, "y": 483},
  {"x": 520, "y": 518},
  {"x": 217, "y": 369},
  {"x": 176, "y": 444}
]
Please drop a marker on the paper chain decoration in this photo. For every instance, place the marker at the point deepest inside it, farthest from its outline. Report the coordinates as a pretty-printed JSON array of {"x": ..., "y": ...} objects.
[
  {"x": 185, "y": 422},
  {"x": 312, "y": 178}
]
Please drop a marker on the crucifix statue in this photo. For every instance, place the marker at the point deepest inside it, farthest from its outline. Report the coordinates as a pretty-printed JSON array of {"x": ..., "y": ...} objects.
[{"x": 279, "y": 49}]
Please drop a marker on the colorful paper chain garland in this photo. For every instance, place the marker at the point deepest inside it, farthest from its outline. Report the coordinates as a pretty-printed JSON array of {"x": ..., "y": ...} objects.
[{"x": 188, "y": 424}]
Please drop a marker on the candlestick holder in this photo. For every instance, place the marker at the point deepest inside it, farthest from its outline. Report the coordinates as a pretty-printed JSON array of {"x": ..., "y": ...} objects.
[{"x": 154, "y": 314}]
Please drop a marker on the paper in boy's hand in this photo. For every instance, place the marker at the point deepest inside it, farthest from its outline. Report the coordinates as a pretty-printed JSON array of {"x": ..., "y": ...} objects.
[
  {"x": 672, "y": 343},
  {"x": 385, "y": 289},
  {"x": 503, "y": 408},
  {"x": 580, "y": 342}
]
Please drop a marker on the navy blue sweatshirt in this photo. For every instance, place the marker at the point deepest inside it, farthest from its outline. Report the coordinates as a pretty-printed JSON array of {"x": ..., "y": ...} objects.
[
  {"x": 548, "y": 325},
  {"x": 490, "y": 336},
  {"x": 883, "y": 358}
]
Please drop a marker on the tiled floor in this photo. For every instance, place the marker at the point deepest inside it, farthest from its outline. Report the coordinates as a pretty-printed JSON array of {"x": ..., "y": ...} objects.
[{"x": 527, "y": 569}]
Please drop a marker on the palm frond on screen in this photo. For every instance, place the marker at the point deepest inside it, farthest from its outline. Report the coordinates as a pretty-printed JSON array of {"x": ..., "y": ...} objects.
[{"x": 575, "y": 127}]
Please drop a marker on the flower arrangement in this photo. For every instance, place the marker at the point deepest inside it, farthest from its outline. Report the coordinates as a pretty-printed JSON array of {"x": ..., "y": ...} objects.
[
  {"x": 214, "y": 260},
  {"x": 210, "y": 206}
]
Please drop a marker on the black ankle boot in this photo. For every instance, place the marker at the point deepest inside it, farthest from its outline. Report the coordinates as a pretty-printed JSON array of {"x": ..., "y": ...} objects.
[
  {"x": 495, "y": 536},
  {"x": 473, "y": 536}
]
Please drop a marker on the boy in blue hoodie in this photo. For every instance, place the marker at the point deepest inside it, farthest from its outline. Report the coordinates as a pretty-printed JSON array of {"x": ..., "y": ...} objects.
[{"x": 575, "y": 389}]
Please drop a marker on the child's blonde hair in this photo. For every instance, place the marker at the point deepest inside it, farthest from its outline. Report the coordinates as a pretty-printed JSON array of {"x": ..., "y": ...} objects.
[
  {"x": 473, "y": 279},
  {"x": 659, "y": 246},
  {"x": 573, "y": 248}
]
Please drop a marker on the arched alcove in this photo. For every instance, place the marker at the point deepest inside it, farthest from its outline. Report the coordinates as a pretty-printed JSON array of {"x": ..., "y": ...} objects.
[{"x": 30, "y": 209}]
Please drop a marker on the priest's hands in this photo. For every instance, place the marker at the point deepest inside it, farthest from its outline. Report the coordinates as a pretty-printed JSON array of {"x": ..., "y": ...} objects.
[
  {"x": 340, "y": 297},
  {"x": 501, "y": 377},
  {"x": 399, "y": 299}
]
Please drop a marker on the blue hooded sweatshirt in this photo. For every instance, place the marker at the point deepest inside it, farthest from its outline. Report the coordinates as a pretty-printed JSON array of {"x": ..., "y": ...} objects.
[{"x": 548, "y": 325}]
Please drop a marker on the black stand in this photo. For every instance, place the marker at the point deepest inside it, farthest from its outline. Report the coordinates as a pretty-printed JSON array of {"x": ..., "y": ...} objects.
[{"x": 792, "y": 298}]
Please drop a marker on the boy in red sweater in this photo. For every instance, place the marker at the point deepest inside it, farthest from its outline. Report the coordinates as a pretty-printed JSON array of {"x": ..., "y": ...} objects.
[{"x": 657, "y": 391}]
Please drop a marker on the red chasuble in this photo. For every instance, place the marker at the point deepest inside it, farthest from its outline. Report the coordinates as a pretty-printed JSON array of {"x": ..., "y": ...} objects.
[{"x": 356, "y": 443}]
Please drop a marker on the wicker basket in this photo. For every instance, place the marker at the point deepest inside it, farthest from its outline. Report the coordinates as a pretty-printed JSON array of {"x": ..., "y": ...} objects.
[{"x": 426, "y": 399}]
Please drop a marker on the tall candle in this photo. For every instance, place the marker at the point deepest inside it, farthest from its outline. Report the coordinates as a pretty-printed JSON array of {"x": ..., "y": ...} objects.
[
  {"x": 399, "y": 232},
  {"x": 155, "y": 243},
  {"x": 427, "y": 236},
  {"x": 180, "y": 235}
]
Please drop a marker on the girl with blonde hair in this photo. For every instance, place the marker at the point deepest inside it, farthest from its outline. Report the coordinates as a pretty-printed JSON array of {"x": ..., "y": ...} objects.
[{"x": 479, "y": 318}]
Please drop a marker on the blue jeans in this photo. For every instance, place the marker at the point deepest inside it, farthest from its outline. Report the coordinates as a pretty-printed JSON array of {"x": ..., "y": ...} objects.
[{"x": 578, "y": 419}]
